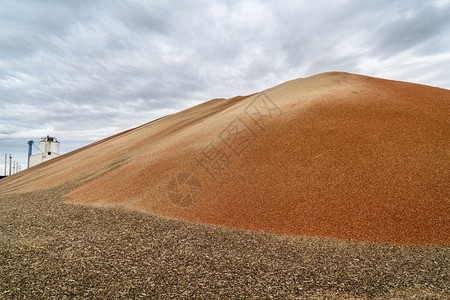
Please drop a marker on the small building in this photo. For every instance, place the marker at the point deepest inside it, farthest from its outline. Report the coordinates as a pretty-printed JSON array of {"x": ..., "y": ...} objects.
[{"x": 48, "y": 149}]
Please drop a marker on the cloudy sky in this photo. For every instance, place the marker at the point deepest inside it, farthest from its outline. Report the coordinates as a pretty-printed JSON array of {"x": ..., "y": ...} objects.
[{"x": 84, "y": 70}]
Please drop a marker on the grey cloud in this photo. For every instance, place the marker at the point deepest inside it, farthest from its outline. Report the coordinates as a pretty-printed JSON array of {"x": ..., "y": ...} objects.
[
  {"x": 414, "y": 30},
  {"x": 146, "y": 16}
]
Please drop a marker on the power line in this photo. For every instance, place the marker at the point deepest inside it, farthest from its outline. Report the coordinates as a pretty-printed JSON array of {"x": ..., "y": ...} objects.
[{"x": 36, "y": 147}]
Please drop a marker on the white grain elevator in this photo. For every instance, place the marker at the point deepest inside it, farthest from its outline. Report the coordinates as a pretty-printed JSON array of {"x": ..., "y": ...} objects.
[{"x": 48, "y": 149}]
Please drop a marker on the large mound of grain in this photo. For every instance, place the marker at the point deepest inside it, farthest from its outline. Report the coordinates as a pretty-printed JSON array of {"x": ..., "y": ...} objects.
[{"x": 335, "y": 155}]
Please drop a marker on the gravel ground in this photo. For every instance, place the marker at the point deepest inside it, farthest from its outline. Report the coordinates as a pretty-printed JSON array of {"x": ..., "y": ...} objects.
[{"x": 49, "y": 249}]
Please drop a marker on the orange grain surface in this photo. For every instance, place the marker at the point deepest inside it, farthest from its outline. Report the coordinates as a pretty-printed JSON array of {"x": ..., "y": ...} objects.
[{"x": 343, "y": 156}]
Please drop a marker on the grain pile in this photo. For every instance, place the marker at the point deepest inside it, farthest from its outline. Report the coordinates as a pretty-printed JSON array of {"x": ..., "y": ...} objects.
[{"x": 333, "y": 155}]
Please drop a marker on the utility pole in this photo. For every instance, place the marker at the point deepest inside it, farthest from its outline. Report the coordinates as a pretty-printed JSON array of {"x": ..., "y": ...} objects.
[
  {"x": 14, "y": 167},
  {"x": 10, "y": 162},
  {"x": 6, "y": 155}
]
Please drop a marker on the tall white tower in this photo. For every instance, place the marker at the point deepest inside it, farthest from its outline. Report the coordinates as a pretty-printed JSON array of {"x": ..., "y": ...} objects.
[{"x": 48, "y": 149}]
